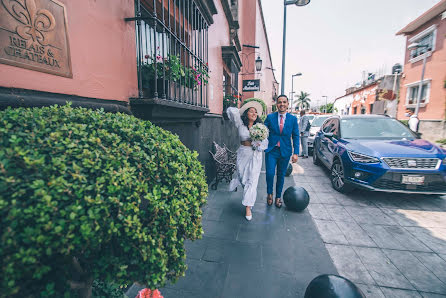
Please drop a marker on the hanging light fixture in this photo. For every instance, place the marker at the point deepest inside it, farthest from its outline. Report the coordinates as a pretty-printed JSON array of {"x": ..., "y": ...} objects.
[
  {"x": 258, "y": 64},
  {"x": 302, "y": 2}
]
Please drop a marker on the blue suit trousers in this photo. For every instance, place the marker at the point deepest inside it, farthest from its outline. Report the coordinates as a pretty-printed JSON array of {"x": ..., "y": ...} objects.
[{"x": 274, "y": 159}]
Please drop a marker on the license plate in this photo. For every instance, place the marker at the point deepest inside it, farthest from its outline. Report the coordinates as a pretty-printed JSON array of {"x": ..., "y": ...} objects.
[{"x": 413, "y": 179}]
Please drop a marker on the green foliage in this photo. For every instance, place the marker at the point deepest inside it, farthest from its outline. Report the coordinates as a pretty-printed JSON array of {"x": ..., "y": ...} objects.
[
  {"x": 326, "y": 108},
  {"x": 172, "y": 69},
  {"x": 106, "y": 290},
  {"x": 274, "y": 108},
  {"x": 442, "y": 141},
  {"x": 87, "y": 195},
  {"x": 303, "y": 101},
  {"x": 230, "y": 100},
  {"x": 259, "y": 101}
]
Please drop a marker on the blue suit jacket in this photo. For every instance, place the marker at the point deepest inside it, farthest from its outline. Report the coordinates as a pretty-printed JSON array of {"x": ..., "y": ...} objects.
[{"x": 290, "y": 130}]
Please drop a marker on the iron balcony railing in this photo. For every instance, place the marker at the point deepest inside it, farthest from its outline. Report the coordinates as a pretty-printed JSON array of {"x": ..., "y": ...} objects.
[{"x": 172, "y": 51}]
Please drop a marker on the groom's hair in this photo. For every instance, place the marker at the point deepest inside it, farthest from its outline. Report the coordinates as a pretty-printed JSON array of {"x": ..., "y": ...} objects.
[{"x": 282, "y": 95}]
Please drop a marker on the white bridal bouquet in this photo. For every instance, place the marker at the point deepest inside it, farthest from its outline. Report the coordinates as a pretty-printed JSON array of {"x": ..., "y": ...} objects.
[{"x": 258, "y": 132}]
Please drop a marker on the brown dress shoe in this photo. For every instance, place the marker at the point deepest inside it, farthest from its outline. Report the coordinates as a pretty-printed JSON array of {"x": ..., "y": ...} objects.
[{"x": 269, "y": 199}]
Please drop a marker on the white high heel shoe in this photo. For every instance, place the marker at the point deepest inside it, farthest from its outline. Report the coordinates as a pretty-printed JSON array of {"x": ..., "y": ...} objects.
[{"x": 249, "y": 217}]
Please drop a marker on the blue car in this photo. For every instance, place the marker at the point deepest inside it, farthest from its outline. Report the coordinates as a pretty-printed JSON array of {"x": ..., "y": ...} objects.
[{"x": 379, "y": 153}]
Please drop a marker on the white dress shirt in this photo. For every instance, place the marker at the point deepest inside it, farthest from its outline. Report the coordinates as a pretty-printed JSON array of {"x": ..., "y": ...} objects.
[{"x": 413, "y": 123}]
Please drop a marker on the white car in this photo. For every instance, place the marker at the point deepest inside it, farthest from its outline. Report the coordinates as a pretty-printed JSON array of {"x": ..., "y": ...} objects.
[
  {"x": 311, "y": 118},
  {"x": 315, "y": 127}
]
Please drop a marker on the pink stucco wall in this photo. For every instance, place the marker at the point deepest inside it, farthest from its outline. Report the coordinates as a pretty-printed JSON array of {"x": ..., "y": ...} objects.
[
  {"x": 103, "y": 54},
  {"x": 267, "y": 77},
  {"x": 218, "y": 37},
  {"x": 435, "y": 71},
  {"x": 253, "y": 33}
]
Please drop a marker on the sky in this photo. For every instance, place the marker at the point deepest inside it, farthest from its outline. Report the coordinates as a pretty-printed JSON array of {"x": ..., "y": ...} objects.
[{"x": 332, "y": 42}]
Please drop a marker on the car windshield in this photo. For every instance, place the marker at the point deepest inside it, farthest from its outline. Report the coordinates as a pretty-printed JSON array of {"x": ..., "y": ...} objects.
[
  {"x": 310, "y": 117},
  {"x": 318, "y": 121},
  {"x": 374, "y": 128}
]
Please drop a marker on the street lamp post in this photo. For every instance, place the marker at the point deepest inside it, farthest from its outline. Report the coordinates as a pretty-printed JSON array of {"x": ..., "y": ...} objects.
[
  {"x": 285, "y": 3},
  {"x": 292, "y": 88},
  {"x": 325, "y": 107},
  {"x": 420, "y": 86}
]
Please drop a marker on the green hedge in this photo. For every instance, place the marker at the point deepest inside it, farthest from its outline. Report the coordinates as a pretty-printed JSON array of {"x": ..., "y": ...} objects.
[{"x": 87, "y": 195}]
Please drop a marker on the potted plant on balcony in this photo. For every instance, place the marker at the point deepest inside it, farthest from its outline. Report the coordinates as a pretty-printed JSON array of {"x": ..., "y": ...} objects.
[
  {"x": 229, "y": 100},
  {"x": 170, "y": 69},
  {"x": 165, "y": 68}
]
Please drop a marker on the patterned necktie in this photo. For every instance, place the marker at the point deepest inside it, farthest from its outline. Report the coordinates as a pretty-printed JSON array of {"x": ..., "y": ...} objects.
[
  {"x": 281, "y": 123},
  {"x": 281, "y": 128}
]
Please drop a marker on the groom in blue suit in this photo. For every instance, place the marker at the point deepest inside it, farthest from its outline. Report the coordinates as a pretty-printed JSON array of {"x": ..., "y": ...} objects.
[{"x": 282, "y": 128}]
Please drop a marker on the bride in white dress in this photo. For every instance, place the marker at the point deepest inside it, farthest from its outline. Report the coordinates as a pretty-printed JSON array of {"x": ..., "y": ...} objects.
[{"x": 249, "y": 155}]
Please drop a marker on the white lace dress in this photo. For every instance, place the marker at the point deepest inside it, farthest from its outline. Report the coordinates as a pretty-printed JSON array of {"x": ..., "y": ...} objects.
[{"x": 249, "y": 161}]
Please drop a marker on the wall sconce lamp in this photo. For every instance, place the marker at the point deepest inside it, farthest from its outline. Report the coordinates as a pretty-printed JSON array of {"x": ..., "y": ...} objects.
[{"x": 258, "y": 64}]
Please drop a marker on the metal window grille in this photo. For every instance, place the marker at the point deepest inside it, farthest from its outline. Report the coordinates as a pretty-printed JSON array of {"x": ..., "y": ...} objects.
[
  {"x": 171, "y": 51},
  {"x": 427, "y": 40},
  {"x": 230, "y": 84},
  {"x": 413, "y": 94},
  {"x": 412, "y": 163}
]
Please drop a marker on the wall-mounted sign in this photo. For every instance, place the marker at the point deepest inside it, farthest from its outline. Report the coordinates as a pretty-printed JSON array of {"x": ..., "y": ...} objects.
[
  {"x": 33, "y": 35},
  {"x": 251, "y": 85}
]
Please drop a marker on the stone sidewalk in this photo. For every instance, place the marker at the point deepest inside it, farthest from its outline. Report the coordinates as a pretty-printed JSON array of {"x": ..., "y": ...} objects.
[
  {"x": 390, "y": 245},
  {"x": 275, "y": 255}
]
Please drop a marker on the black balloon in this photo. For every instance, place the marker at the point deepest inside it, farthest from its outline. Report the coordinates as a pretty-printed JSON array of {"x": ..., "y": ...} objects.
[
  {"x": 296, "y": 198},
  {"x": 332, "y": 286},
  {"x": 289, "y": 170}
]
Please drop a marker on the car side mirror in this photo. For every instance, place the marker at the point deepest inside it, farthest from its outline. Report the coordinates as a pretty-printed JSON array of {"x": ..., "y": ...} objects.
[{"x": 328, "y": 134}]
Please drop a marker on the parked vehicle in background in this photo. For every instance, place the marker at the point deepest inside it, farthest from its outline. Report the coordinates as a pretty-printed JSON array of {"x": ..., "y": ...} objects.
[
  {"x": 379, "y": 153},
  {"x": 315, "y": 127},
  {"x": 310, "y": 117}
]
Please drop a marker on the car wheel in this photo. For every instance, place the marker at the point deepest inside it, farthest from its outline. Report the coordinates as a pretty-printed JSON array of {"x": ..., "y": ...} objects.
[
  {"x": 337, "y": 178},
  {"x": 316, "y": 160}
]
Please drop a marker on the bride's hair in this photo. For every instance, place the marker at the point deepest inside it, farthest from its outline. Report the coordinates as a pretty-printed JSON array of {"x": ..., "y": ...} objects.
[{"x": 245, "y": 118}]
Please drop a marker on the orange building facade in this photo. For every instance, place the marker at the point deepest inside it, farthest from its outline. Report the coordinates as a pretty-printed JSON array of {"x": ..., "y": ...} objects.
[
  {"x": 253, "y": 33},
  {"x": 364, "y": 99},
  {"x": 430, "y": 30}
]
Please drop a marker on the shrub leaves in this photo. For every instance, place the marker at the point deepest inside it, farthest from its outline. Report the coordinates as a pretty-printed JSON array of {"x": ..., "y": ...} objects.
[{"x": 116, "y": 192}]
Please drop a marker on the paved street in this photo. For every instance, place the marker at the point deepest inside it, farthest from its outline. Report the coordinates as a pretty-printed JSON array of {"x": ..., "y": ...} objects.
[
  {"x": 391, "y": 245},
  {"x": 275, "y": 255}
]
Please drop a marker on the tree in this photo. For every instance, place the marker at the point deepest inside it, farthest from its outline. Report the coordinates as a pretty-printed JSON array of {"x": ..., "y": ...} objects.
[
  {"x": 328, "y": 108},
  {"x": 303, "y": 101}
]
